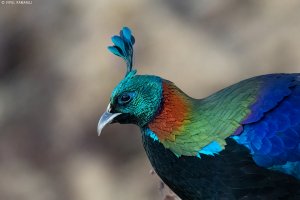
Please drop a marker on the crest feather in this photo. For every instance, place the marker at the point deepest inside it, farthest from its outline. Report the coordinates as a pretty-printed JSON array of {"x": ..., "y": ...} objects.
[{"x": 123, "y": 47}]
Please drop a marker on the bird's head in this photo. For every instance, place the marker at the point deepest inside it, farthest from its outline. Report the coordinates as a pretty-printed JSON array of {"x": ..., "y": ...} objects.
[{"x": 137, "y": 98}]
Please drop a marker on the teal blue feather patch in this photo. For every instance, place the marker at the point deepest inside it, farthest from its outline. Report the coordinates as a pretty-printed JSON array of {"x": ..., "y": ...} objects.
[
  {"x": 291, "y": 168},
  {"x": 151, "y": 134},
  {"x": 210, "y": 149}
]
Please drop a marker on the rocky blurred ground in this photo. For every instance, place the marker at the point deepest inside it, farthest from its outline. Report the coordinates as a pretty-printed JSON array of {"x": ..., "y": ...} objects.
[{"x": 56, "y": 77}]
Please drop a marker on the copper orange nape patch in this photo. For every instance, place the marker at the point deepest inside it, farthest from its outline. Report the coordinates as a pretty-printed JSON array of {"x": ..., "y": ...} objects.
[{"x": 172, "y": 114}]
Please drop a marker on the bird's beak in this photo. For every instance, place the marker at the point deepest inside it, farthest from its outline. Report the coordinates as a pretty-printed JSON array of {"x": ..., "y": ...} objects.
[{"x": 106, "y": 118}]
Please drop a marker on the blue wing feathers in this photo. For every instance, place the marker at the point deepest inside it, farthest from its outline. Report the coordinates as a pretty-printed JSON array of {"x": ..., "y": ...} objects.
[
  {"x": 275, "y": 88},
  {"x": 274, "y": 138}
]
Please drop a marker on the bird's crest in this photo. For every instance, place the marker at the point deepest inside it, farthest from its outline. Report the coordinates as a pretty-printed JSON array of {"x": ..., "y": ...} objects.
[{"x": 123, "y": 47}]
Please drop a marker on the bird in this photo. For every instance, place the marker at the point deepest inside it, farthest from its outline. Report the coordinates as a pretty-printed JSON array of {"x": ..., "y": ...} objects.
[{"x": 242, "y": 142}]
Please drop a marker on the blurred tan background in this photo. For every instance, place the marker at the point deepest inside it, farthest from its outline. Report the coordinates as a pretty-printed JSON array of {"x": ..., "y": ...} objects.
[{"x": 56, "y": 77}]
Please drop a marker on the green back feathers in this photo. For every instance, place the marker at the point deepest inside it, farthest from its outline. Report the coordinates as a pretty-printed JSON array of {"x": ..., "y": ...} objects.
[{"x": 214, "y": 118}]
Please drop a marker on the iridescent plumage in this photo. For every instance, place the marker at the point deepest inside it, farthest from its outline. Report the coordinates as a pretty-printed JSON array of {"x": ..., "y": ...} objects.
[{"x": 256, "y": 120}]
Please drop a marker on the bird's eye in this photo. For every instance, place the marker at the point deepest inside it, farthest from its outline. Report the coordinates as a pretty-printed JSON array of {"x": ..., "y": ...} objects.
[{"x": 125, "y": 98}]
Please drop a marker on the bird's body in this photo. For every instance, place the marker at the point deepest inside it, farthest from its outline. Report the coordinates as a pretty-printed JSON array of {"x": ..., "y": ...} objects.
[
  {"x": 242, "y": 142},
  {"x": 232, "y": 173}
]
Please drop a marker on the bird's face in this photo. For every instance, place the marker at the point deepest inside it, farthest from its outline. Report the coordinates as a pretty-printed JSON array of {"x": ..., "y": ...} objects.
[{"x": 135, "y": 100}]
